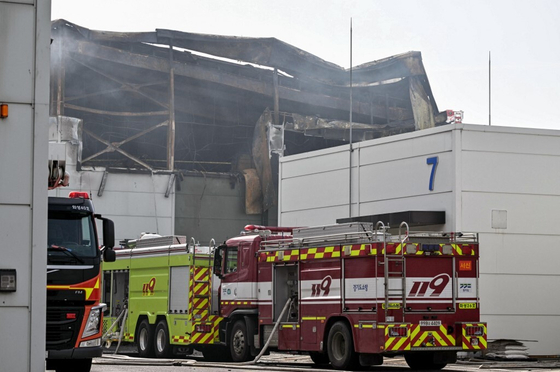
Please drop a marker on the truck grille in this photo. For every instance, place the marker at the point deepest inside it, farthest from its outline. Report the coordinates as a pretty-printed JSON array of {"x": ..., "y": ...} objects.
[{"x": 63, "y": 325}]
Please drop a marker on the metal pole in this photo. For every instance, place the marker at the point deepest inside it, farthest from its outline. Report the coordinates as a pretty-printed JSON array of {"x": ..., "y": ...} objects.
[
  {"x": 171, "y": 127},
  {"x": 276, "y": 97},
  {"x": 489, "y": 89},
  {"x": 350, "y": 152}
]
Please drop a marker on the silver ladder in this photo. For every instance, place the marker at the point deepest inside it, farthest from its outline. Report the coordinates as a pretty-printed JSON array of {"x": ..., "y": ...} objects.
[{"x": 393, "y": 271}]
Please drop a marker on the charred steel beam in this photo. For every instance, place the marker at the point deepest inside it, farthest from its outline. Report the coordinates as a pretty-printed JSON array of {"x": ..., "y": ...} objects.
[
  {"x": 115, "y": 113},
  {"x": 111, "y": 148},
  {"x": 109, "y": 91},
  {"x": 115, "y": 146},
  {"x": 92, "y": 50},
  {"x": 131, "y": 87}
]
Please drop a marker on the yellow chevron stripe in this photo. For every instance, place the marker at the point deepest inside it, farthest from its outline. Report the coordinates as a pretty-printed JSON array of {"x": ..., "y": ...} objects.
[{"x": 450, "y": 340}]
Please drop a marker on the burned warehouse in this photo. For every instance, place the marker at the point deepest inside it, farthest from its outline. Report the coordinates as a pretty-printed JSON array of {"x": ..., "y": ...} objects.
[{"x": 206, "y": 107}]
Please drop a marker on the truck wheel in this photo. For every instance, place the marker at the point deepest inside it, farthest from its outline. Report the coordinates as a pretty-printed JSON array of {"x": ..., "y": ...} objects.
[
  {"x": 319, "y": 358},
  {"x": 73, "y": 365},
  {"x": 163, "y": 348},
  {"x": 423, "y": 361},
  {"x": 145, "y": 339},
  {"x": 239, "y": 346},
  {"x": 340, "y": 347}
]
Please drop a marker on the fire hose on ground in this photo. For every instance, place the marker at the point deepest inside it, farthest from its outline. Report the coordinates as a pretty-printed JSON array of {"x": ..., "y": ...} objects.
[{"x": 286, "y": 306}]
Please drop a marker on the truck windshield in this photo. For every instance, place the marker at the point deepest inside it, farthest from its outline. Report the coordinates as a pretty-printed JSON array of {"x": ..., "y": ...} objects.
[{"x": 71, "y": 232}]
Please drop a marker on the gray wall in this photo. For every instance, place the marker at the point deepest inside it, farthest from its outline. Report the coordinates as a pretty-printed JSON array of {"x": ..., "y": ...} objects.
[
  {"x": 209, "y": 207},
  {"x": 24, "y": 86}
]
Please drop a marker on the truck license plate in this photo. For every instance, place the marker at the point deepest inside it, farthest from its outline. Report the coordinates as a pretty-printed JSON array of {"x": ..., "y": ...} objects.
[{"x": 430, "y": 323}]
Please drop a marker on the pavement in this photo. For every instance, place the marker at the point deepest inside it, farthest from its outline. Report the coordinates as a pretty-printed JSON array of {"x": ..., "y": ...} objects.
[{"x": 295, "y": 362}]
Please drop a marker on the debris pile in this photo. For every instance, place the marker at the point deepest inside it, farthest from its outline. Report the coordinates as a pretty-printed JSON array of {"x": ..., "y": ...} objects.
[{"x": 507, "y": 350}]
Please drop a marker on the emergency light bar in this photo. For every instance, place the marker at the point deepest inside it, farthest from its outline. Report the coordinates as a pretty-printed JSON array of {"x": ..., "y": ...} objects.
[{"x": 78, "y": 194}]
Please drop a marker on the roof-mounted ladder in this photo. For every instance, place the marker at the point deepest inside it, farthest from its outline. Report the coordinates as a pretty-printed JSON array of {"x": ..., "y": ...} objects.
[{"x": 395, "y": 273}]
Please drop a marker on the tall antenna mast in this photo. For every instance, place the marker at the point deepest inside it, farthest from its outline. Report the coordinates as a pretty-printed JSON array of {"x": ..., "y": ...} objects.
[
  {"x": 350, "y": 84},
  {"x": 489, "y": 89},
  {"x": 350, "y": 139}
]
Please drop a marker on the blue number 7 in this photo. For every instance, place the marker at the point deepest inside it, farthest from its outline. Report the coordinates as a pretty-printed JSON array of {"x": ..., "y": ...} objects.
[{"x": 433, "y": 162}]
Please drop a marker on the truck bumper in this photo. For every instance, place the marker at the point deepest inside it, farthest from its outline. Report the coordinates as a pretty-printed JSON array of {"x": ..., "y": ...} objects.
[{"x": 80, "y": 353}]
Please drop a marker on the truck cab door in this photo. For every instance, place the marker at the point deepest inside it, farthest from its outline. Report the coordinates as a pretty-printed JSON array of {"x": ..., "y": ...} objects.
[{"x": 230, "y": 275}]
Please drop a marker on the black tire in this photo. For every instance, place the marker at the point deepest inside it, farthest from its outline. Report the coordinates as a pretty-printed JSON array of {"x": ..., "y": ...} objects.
[
  {"x": 423, "y": 361},
  {"x": 145, "y": 339},
  {"x": 162, "y": 346},
  {"x": 319, "y": 358},
  {"x": 340, "y": 347},
  {"x": 239, "y": 343},
  {"x": 73, "y": 365}
]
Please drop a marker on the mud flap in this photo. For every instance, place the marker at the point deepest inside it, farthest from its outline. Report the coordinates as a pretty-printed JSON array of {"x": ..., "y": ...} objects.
[{"x": 251, "y": 324}]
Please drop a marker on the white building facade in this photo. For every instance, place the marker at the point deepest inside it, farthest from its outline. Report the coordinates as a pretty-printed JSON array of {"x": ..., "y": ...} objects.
[{"x": 502, "y": 183}]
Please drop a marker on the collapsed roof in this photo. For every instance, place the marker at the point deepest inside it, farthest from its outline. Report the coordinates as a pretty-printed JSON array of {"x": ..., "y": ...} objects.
[{"x": 170, "y": 100}]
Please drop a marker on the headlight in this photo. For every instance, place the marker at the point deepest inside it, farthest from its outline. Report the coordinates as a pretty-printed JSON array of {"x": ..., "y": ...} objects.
[
  {"x": 91, "y": 343},
  {"x": 92, "y": 325}
]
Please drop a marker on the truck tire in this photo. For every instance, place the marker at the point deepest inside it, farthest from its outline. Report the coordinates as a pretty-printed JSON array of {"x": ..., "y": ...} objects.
[
  {"x": 145, "y": 339},
  {"x": 340, "y": 347},
  {"x": 162, "y": 346},
  {"x": 239, "y": 345},
  {"x": 423, "y": 361},
  {"x": 73, "y": 365},
  {"x": 319, "y": 358}
]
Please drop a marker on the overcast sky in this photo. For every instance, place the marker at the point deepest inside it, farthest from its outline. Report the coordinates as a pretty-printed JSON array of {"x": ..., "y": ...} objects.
[{"x": 454, "y": 36}]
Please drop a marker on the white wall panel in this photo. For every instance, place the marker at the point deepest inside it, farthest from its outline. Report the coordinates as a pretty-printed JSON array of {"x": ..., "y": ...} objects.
[
  {"x": 318, "y": 162},
  {"x": 132, "y": 201},
  {"x": 17, "y": 56},
  {"x": 15, "y": 234},
  {"x": 16, "y": 151},
  {"x": 14, "y": 340},
  {"x": 514, "y": 294},
  {"x": 526, "y": 214},
  {"x": 511, "y": 140},
  {"x": 520, "y": 173},
  {"x": 406, "y": 177},
  {"x": 519, "y": 254},
  {"x": 405, "y": 146},
  {"x": 315, "y": 191},
  {"x": 540, "y": 333},
  {"x": 314, "y": 217}
]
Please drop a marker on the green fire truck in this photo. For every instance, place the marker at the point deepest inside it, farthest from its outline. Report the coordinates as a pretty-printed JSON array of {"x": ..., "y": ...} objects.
[{"x": 159, "y": 295}]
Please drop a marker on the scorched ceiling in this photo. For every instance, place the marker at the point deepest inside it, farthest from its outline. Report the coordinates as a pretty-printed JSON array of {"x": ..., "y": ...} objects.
[{"x": 170, "y": 100}]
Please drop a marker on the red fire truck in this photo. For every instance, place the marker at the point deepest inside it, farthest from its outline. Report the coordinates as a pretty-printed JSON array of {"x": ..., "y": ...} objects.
[
  {"x": 74, "y": 312},
  {"x": 352, "y": 294}
]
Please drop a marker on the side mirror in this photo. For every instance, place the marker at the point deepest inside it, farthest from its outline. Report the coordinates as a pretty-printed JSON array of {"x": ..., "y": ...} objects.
[
  {"x": 109, "y": 255},
  {"x": 218, "y": 254},
  {"x": 108, "y": 233}
]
